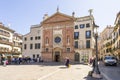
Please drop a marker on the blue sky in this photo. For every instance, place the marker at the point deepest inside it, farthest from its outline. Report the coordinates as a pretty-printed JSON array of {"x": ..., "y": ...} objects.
[{"x": 21, "y": 14}]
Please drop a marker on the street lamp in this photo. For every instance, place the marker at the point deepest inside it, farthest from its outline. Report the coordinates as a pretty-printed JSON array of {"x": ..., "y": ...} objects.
[
  {"x": 0, "y": 58},
  {"x": 96, "y": 72}
]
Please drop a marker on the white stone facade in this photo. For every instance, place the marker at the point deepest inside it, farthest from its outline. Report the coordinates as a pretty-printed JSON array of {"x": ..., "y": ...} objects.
[{"x": 34, "y": 39}]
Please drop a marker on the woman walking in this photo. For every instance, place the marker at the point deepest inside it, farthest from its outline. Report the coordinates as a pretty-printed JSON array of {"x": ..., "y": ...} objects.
[{"x": 67, "y": 62}]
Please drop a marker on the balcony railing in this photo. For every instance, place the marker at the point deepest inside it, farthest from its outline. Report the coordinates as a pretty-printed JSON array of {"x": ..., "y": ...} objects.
[
  {"x": 4, "y": 34},
  {"x": 20, "y": 46},
  {"x": 6, "y": 42},
  {"x": 3, "y": 50}
]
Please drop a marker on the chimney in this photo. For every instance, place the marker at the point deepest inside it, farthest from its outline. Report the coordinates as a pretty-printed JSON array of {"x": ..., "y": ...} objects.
[{"x": 45, "y": 16}]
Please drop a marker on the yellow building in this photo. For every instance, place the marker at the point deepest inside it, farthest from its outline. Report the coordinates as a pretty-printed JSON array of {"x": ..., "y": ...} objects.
[{"x": 116, "y": 37}]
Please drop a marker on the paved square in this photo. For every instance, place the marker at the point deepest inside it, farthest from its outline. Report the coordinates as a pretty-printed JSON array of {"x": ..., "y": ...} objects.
[{"x": 44, "y": 71}]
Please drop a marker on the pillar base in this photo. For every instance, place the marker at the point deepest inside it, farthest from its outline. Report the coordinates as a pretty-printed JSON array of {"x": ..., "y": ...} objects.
[{"x": 96, "y": 75}]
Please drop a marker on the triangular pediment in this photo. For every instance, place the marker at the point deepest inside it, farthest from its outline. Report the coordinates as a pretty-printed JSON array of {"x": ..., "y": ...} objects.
[{"x": 58, "y": 17}]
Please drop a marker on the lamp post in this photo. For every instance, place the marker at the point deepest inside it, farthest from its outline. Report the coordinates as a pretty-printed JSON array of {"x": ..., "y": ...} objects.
[
  {"x": 96, "y": 72},
  {"x": 0, "y": 58}
]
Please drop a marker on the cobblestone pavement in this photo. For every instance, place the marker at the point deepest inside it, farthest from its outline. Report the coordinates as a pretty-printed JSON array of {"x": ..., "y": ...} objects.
[{"x": 45, "y": 71}]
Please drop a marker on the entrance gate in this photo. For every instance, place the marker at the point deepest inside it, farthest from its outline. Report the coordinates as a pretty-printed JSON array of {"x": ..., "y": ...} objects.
[{"x": 57, "y": 56}]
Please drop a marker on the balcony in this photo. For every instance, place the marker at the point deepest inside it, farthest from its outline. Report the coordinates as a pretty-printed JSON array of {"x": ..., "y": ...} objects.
[
  {"x": 117, "y": 49},
  {"x": 5, "y": 51},
  {"x": 4, "y": 34},
  {"x": 16, "y": 51},
  {"x": 108, "y": 44},
  {"x": 116, "y": 27},
  {"x": 20, "y": 46},
  {"x": 6, "y": 42}
]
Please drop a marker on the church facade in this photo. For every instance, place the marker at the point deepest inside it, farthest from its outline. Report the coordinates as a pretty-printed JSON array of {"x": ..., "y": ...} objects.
[{"x": 58, "y": 37}]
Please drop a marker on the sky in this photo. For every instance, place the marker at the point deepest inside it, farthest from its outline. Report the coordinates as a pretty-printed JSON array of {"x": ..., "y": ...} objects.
[{"x": 19, "y": 15}]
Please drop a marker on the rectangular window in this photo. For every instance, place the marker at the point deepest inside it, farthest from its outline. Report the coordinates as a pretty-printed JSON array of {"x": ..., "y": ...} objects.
[
  {"x": 25, "y": 46},
  {"x": 68, "y": 39},
  {"x": 31, "y": 38},
  {"x": 88, "y": 44},
  {"x": 87, "y": 25},
  {"x": 88, "y": 34},
  {"x": 37, "y": 55},
  {"x": 68, "y": 49},
  {"x": 46, "y": 49},
  {"x": 76, "y": 44},
  {"x": 76, "y": 26},
  {"x": 39, "y": 37},
  {"x": 35, "y": 45},
  {"x": 33, "y": 55},
  {"x": 25, "y": 39},
  {"x": 82, "y": 25},
  {"x": 76, "y": 35},
  {"x": 38, "y": 45},
  {"x": 36, "y": 38},
  {"x": 31, "y": 46}
]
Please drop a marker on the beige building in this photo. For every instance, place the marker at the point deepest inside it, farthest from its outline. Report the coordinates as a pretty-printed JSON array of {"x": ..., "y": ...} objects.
[
  {"x": 32, "y": 42},
  {"x": 105, "y": 41},
  {"x": 110, "y": 39},
  {"x": 116, "y": 37},
  {"x": 17, "y": 44},
  {"x": 84, "y": 38}
]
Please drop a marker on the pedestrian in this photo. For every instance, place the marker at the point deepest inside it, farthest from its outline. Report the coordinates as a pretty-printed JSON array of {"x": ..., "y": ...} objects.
[
  {"x": 29, "y": 59},
  {"x": 4, "y": 63},
  {"x": 37, "y": 59},
  {"x": 67, "y": 62},
  {"x": 91, "y": 60}
]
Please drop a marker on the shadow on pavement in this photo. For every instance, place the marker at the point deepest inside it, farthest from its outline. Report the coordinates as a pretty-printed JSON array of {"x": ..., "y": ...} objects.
[
  {"x": 91, "y": 78},
  {"x": 63, "y": 67},
  {"x": 40, "y": 64}
]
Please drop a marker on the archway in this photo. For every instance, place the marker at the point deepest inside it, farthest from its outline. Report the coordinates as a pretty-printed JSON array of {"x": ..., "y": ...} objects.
[
  {"x": 77, "y": 57},
  {"x": 57, "y": 56}
]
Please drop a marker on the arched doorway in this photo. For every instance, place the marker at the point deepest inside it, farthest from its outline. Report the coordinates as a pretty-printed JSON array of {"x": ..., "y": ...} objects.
[
  {"x": 77, "y": 57},
  {"x": 57, "y": 56}
]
